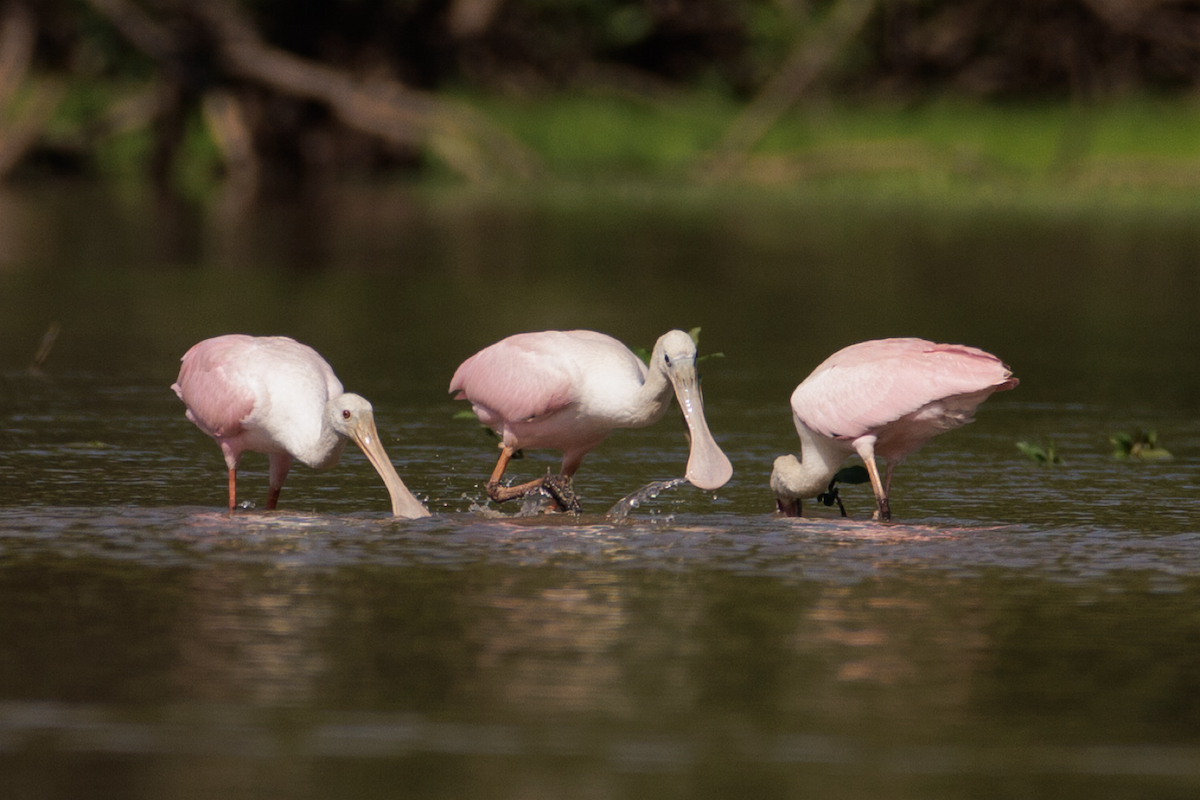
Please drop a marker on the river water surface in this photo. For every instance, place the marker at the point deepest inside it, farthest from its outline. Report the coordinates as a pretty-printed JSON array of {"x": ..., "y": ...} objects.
[{"x": 1019, "y": 631}]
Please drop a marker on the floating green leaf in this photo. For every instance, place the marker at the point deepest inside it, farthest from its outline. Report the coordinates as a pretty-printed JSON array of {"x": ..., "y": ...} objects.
[
  {"x": 1140, "y": 444},
  {"x": 1043, "y": 455}
]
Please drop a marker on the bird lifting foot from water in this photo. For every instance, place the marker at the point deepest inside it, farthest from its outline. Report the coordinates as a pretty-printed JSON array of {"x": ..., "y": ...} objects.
[
  {"x": 568, "y": 390},
  {"x": 883, "y": 398},
  {"x": 559, "y": 488}
]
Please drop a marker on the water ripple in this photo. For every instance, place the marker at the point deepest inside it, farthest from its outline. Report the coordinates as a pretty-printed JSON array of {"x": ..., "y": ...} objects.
[{"x": 801, "y": 549}]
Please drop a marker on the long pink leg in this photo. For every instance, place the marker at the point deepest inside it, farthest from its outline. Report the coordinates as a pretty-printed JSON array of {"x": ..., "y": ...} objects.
[
  {"x": 501, "y": 493},
  {"x": 865, "y": 447},
  {"x": 233, "y": 457},
  {"x": 281, "y": 463}
]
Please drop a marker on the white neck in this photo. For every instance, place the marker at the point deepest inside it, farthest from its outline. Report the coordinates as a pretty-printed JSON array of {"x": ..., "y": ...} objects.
[
  {"x": 808, "y": 476},
  {"x": 654, "y": 397}
]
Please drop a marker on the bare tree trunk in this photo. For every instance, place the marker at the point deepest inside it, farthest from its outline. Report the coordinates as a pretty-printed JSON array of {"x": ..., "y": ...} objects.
[{"x": 18, "y": 32}]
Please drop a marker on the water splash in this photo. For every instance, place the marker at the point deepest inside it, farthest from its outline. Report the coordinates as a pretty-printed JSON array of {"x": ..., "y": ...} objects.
[
  {"x": 626, "y": 505},
  {"x": 536, "y": 503}
]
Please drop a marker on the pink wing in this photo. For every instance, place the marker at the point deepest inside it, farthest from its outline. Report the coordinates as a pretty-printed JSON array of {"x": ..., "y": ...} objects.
[
  {"x": 865, "y": 386},
  {"x": 526, "y": 375},
  {"x": 217, "y": 397}
]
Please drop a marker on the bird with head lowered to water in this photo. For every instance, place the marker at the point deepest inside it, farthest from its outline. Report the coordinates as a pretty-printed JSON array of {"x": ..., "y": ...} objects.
[
  {"x": 884, "y": 398},
  {"x": 273, "y": 395}
]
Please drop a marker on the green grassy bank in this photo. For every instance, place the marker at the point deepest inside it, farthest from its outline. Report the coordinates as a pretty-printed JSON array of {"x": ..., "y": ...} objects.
[
  {"x": 1137, "y": 142},
  {"x": 1134, "y": 150}
]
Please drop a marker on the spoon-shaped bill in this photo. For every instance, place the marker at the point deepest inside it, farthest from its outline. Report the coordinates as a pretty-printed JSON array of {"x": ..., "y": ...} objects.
[
  {"x": 404, "y": 504},
  {"x": 708, "y": 467}
]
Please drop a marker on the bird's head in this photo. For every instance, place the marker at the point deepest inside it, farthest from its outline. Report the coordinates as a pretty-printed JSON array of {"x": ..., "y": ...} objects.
[
  {"x": 675, "y": 355},
  {"x": 786, "y": 484},
  {"x": 354, "y": 418},
  {"x": 675, "y": 347}
]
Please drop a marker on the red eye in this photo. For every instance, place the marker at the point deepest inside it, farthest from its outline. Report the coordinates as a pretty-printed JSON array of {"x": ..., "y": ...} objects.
[{"x": 345, "y": 413}]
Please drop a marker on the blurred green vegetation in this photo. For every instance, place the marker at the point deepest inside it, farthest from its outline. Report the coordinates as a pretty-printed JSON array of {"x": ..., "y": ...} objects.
[
  {"x": 261, "y": 95},
  {"x": 1119, "y": 141},
  {"x": 1141, "y": 444},
  {"x": 1120, "y": 151},
  {"x": 1047, "y": 455}
]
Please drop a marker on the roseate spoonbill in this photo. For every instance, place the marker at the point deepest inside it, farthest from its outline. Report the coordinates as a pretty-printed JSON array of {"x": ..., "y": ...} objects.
[
  {"x": 273, "y": 395},
  {"x": 883, "y": 398},
  {"x": 567, "y": 390}
]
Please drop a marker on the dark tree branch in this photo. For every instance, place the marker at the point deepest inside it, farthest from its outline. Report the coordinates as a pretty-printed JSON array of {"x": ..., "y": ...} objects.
[
  {"x": 136, "y": 25},
  {"x": 465, "y": 140}
]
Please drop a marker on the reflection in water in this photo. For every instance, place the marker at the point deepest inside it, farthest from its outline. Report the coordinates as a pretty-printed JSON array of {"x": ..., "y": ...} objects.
[
  {"x": 551, "y": 649},
  {"x": 250, "y": 638},
  {"x": 264, "y": 647}
]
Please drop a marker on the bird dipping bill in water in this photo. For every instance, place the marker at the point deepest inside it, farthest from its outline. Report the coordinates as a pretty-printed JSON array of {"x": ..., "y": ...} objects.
[
  {"x": 883, "y": 398},
  {"x": 273, "y": 395},
  {"x": 567, "y": 390}
]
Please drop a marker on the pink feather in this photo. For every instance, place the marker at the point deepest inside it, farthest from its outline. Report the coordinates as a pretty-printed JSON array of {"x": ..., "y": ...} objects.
[
  {"x": 866, "y": 386},
  {"x": 527, "y": 375},
  {"x": 217, "y": 397}
]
